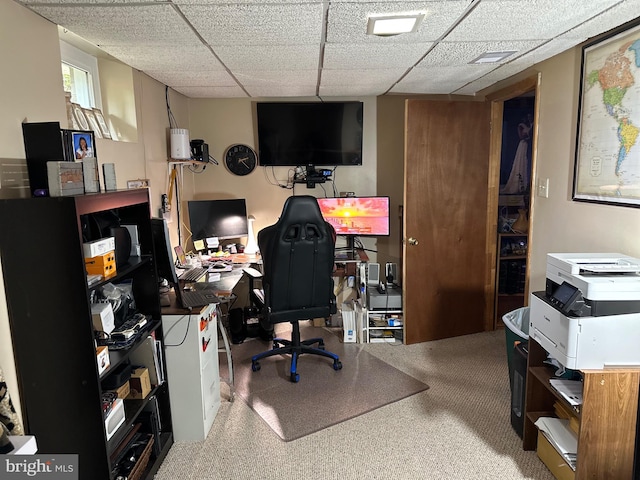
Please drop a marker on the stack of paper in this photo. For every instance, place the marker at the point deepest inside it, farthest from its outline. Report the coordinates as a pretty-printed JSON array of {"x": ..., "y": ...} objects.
[
  {"x": 571, "y": 390},
  {"x": 557, "y": 431}
]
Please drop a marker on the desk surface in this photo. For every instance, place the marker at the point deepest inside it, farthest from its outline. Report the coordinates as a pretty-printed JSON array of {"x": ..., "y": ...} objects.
[{"x": 223, "y": 285}]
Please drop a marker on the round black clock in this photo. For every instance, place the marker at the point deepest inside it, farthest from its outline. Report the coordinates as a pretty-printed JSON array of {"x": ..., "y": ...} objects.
[{"x": 240, "y": 159}]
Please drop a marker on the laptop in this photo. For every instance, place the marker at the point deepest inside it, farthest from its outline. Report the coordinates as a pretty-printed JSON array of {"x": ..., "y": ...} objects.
[{"x": 195, "y": 298}]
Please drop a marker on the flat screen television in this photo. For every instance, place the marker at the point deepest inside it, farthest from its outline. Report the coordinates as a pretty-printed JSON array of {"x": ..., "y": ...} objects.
[
  {"x": 224, "y": 219},
  {"x": 357, "y": 216},
  {"x": 309, "y": 133}
]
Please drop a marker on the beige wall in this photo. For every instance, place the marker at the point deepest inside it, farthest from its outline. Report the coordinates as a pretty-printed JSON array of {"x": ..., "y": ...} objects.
[
  {"x": 31, "y": 81},
  {"x": 224, "y": 122}
]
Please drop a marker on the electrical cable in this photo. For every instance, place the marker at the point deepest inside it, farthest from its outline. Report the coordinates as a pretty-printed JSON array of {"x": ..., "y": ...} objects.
[{"x": 184, "y": 338}]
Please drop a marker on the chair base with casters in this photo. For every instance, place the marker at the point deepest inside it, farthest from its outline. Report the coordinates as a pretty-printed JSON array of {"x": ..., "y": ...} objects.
[{"x": 295, "y": 347}]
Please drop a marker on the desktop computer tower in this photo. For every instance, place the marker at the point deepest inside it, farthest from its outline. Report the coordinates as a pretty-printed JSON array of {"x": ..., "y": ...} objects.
[{"x": 518, "y": 387}]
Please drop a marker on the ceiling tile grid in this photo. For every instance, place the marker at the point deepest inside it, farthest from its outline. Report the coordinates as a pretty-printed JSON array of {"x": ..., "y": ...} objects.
[{"x": 286, "y": 48}]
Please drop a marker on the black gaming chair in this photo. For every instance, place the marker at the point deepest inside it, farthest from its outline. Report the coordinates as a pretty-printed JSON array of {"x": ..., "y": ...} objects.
[{"x": 298, "y": 257}]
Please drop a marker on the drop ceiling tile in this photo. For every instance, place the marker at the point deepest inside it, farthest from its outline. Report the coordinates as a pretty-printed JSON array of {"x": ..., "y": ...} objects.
[
  {"x": 193, "y": 78},
  {"x": 440, "y": 80},
  {"x": 165, "y": 57},
  {"x": 372, "y": 56},
  {"x": 282, "y": 91},
  {"x": 212, "y": 92},
  {"x": 380, "y": 78},
  {"x": 276, "y": 77},
  {"x": 526, "y": 20},
  {"x": 122, "y": 25},
  {"x": 270, "y": 57},
  {"x": 241, "y": 24},
  {"x": 448, "y": 54},
  {"x": 349, "y": 91},
  {"x": 612, "y": 18},
  {"x": 347, "y": 22}
]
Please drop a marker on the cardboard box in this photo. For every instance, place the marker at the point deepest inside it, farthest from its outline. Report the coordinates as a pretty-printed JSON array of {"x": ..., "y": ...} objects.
[
  {"x": 123, "y": 391},
  {"x": 102, "y": 316},
  {"x": 139, "y": 384},
  {"x": 552, "y": 459},
  {"x": 102, "y": 358}
]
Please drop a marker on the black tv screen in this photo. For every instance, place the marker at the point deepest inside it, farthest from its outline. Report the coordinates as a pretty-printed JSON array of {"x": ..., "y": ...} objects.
[{"x": 309, "y": 133}]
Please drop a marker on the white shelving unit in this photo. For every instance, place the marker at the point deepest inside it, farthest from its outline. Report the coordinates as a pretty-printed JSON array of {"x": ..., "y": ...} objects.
[{"x": 382, "y": 323}]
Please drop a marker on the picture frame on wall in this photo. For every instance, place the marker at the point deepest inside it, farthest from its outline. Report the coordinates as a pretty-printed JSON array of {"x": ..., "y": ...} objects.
[
  {"x": 93, "y": 123},
  {"x": 104, "y": 128},
  {"x": 607, "y": 158}
]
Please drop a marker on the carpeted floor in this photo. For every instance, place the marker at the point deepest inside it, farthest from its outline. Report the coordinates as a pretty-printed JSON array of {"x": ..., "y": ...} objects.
[
  {"x": 323, "y": 397},
  {"x": 457, "y": 429}
]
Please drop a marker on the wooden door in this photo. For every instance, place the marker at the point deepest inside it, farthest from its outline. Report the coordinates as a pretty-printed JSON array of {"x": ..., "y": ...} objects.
[{"x": 445, "y": 218}]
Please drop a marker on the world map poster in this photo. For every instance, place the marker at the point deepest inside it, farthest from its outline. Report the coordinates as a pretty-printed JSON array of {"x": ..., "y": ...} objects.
[{"x": 608, "y": 147}]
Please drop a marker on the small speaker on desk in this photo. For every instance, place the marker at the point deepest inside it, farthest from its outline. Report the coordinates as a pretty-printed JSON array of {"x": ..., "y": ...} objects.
[
  {"x": 373, "y": 274},
  {"x": 391, "y": 273},
  {"x": 123, "y": 245}
]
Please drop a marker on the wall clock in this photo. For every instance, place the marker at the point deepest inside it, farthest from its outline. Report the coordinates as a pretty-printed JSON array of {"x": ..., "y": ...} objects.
[{"x": 240, "y": 159}]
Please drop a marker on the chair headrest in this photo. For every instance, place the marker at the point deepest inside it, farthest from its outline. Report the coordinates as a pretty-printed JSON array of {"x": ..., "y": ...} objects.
[{"x": 301, "y": 209}]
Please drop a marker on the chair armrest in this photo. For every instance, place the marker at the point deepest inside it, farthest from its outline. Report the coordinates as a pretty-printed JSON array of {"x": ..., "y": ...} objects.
[{"x": 252, "y": 272}]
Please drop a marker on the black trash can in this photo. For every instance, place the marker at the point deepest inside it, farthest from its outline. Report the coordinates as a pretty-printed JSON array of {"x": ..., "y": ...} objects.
[{"x": 518, "y": 386}]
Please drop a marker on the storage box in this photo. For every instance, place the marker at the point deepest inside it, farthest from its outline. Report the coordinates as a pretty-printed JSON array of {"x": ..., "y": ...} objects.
[
  {"x": 139, "y": 383},
  {"x": 104, "y": 265},
  {"x": 102, "y": 358},
  {"x": 65, "y": 178},
  {"x": 102, "y": 315},
  {"x": 123, "y": 391},
  {"x": 99, "y": 247},
  {"x": 552, "y": 459}
]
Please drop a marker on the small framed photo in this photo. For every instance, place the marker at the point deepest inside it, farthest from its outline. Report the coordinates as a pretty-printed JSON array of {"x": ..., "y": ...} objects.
[
  {"x": 83, "y": 145},
  {"x": 139, "y": 183},
  {"x": 81, "y": 120},
  {"x": 93, "y": 123},
  {"x": 104, "y": 128}
]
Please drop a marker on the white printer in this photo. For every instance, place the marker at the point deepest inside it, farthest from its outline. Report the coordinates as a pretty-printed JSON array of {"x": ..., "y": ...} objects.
[{"x": 588, "y": 317}]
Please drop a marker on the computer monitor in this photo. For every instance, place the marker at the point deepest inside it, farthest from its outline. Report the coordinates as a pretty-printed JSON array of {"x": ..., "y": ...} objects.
[
  {"x": 361, "y": 216},
  {"x": 224, "y": 219},
  {"x": 163, "y": 253}
]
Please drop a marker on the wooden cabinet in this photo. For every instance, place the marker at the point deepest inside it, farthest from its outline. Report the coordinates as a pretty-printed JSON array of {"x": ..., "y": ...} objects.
[
  {"x": 607, "y": 417},
  {"x": 49, "y": 306},
  {"x": 511, "y": 274}
]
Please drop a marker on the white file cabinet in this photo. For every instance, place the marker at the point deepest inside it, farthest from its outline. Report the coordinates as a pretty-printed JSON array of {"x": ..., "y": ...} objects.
[{"x": 191, "y": 352}]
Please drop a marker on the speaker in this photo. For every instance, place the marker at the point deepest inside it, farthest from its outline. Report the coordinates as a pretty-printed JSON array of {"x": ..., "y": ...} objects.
[
  {"x": 391, "y": 273},
  {"x": 373, "y": 274},
  {"x": 123, "y": 244}
]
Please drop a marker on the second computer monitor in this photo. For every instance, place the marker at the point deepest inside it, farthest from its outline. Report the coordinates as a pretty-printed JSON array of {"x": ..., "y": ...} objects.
[{"x": 224, "y": 219}]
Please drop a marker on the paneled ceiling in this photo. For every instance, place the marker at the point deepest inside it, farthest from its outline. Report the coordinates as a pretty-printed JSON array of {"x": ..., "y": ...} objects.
[{"x": 282, "y": 48}]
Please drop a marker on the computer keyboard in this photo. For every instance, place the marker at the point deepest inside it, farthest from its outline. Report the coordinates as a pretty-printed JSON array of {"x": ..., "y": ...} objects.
[{"x": 193, "y": 274}]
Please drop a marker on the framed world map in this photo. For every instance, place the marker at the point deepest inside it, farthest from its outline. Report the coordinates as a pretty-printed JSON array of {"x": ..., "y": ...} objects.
[{"x": 607, "y": 163}]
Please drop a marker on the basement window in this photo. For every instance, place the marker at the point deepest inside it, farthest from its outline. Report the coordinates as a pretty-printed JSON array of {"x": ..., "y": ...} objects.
[{"x": 80, "y": 76}]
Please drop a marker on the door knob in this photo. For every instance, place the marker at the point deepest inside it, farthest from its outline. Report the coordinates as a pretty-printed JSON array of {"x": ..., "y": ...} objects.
[{"x": 413, "y": 241}]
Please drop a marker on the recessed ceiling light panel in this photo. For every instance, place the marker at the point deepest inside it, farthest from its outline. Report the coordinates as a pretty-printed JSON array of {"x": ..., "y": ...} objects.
[
  {"x": 492, "y": 57},
  {"x": 388, "y": 25}
]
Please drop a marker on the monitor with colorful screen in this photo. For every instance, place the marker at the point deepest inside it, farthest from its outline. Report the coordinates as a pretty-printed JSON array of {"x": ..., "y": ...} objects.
[{"x": 357, "y": 216}]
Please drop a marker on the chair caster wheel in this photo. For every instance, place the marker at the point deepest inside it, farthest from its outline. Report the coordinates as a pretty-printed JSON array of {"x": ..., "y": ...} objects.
[
  {"x": 255, "y": 366},
  {"x": 337, "y": 365},
  {"x": 295, "y": 377}
]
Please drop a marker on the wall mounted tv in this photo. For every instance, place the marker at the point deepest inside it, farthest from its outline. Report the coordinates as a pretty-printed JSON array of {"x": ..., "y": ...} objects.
[
  {"x": 309, "y": 133},
  {"x": 357, "y": 216}
]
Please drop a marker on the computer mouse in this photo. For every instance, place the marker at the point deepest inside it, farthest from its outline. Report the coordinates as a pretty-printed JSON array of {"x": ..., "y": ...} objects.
[{"x": 219, "y": 265}]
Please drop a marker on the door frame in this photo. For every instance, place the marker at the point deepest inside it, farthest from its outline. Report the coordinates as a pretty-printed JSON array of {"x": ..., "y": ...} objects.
[{"x": 497, "y": 100}]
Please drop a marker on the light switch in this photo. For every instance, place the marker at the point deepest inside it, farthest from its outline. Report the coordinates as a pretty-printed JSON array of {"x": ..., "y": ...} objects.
[{"x": 543, "y": 187}]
